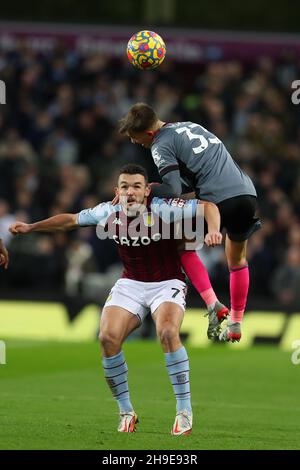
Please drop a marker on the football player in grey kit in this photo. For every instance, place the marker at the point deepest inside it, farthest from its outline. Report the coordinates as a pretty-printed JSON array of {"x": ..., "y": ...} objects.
[{"x": 188, "y": 155}]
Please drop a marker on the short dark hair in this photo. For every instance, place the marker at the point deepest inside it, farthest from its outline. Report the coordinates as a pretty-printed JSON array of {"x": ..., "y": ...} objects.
[
  {"x": 139, "y": 118},
  {"x": 133, "y": 169}
]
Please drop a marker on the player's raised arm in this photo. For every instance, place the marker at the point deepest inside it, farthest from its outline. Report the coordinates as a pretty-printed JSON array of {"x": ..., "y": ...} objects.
[
  {"x": 57, "y": 223},
  {"x": 172, "y": 210}
]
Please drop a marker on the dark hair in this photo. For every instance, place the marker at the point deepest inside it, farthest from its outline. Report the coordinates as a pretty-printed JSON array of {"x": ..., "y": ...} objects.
[
  {"x": 133, "y": 169},
  {"x": 139, "y": 118}
]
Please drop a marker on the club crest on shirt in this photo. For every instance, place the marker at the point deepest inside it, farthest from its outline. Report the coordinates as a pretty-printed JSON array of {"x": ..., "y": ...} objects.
[{"x": 148, "y": 219}]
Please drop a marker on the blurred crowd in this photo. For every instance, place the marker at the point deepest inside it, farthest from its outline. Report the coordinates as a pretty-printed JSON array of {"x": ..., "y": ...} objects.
[{"x": 60, "y": 152}]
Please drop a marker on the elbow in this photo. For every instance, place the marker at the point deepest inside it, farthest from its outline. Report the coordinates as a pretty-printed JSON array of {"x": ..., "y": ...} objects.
[
  {"x": 166, "y": 190},
  {"x": 73, "y": 222},
  {"x": 176, "y": 190},
  {"x": 177, "y": 193},
  {"x": 210, "y": 208},
  {"x": 66, "y": 226},
  {"x": 210, "y": 205},
  {"x": 173, "y": 194}
]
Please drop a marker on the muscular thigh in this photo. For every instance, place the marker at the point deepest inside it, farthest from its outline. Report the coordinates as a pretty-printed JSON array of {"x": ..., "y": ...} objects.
[
  {"x": 118, "y": 322},
  {"x": 170, "y": 314}
]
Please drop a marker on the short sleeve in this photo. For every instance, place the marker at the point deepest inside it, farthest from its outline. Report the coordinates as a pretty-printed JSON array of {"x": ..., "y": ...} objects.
[
  {"x": 97, "y": 215},
  {"x": 164, "y": 157}
]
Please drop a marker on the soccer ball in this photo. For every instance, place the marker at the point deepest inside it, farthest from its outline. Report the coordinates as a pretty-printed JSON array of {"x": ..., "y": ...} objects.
[{"x": 146, "y": 50}]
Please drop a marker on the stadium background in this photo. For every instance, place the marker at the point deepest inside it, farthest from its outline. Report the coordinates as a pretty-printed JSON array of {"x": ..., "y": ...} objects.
[{"x": 68, "y": 84}]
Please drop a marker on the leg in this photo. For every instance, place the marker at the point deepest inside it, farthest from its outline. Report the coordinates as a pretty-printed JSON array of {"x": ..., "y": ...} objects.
[
  {"x": 236, "y": 253},
  {"x": 115, "y": 325},
  {"x": 168, "y": 318},
  {"x": 238, "y": 216},
  {"x": 239, "y": 285},
  {"x": 198, "y": 275}
]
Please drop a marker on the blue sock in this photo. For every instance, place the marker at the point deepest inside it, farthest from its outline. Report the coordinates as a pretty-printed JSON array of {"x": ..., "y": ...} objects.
[
  {"x": 178, "y": 368},
  {"x": 115, "y": 371}
]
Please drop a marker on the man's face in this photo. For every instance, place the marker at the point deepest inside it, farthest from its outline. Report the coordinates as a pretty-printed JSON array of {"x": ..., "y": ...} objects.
[
  {"x": 144, "y": 138},
  {"x": 133, "y": 192}
]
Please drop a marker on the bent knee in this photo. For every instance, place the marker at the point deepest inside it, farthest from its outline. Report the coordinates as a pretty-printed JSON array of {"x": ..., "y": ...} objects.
[
  {"x": 237, "y": 262},
  {"x": 107, "y": 338},
  {"x": 168, "y": 334}
]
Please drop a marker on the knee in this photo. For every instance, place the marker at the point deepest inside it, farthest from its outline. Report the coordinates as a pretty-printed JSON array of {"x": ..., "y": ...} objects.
[
  {"x": 236, "y": 258},
  {"x": 236, "y": 253},
  {"x": 108, "y": 339},
  {"x": 167, "y": 334},
  {"x": 237, "y": 261}
]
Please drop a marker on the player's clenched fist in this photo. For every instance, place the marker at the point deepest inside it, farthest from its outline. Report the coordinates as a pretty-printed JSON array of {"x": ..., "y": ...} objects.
[
  {"x": 19, "y": 227},
  {"x": 213, "y": 238}
]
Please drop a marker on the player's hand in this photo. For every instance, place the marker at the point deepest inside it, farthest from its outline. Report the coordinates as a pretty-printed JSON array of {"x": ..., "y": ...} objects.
[
  {"x": 4, "y": 258},
  {"x": 19, "y": 227},
  {"x": 213, "y": 239}
]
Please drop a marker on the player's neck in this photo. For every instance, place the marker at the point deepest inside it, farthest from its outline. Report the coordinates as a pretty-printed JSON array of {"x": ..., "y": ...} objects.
[{"x": 159, "y": 125}]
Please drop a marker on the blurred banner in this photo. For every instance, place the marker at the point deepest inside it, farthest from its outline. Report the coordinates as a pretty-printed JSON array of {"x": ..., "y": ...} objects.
[
  {"x": 183, "y": 45},
  {"x": 51, "y": 321}
]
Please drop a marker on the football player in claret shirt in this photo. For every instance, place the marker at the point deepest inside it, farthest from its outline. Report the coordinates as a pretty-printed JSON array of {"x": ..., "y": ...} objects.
[
  {"x": 186, "y": 153},
  {"x": 152, "y": 281}
]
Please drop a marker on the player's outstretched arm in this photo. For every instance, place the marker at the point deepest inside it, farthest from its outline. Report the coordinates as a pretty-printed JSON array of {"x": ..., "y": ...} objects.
[
  {"x": 213, "y": 219},
  {"x": 4, "y": 258},
  {"x": 57, "y": 223}
]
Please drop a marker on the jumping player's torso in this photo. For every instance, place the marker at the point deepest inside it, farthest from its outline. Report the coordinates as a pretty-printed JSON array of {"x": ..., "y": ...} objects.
[{"x": 203, "y": 161}]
